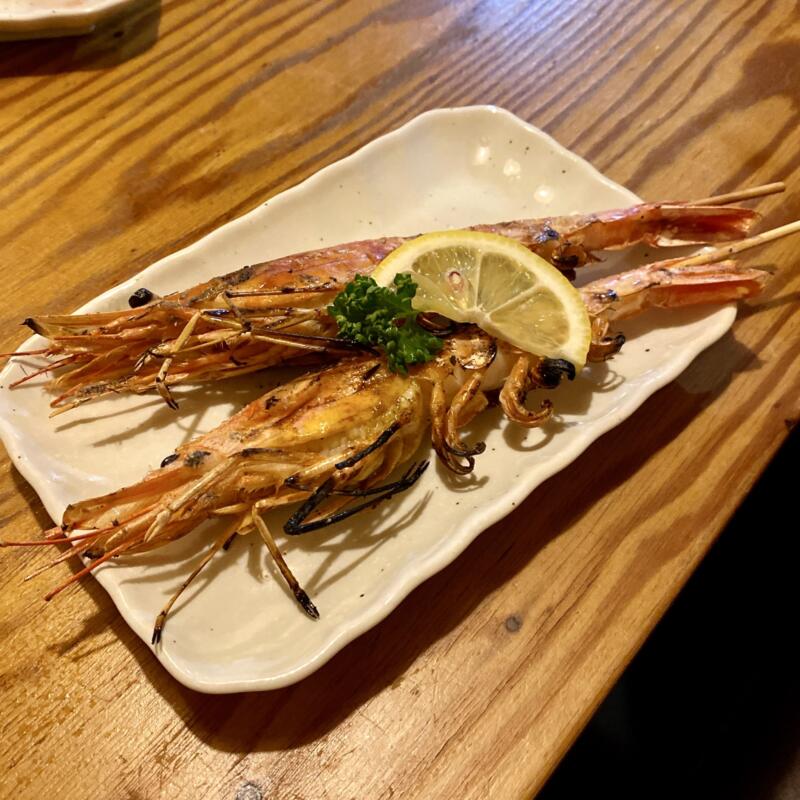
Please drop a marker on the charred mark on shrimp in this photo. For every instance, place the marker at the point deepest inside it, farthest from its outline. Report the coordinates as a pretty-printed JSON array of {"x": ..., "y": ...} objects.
[
  {"x": 370, "y": 372},
  {"x": 606, "y": 347},
  {"x": 240, "y": 276},
  {"x": 437, "y": 324},
  {"x": 567, "y": 262},
  {"x": 196, "y": 458}
]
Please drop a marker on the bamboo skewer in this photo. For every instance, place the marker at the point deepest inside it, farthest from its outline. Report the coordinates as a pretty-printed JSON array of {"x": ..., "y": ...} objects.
[
  {"x": 721, "y": 253},
  {"x": 742, "y": 194}
]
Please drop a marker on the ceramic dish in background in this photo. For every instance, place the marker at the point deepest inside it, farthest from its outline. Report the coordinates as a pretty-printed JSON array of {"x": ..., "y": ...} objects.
[
  {"x": 237, "y": 629},
  {"x": 33, "y": 19}
]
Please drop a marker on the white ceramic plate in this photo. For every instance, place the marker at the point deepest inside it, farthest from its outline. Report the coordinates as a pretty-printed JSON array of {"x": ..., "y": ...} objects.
[
  {"x": 237, "y": 629},
  {"x": 29, "y": 19}
]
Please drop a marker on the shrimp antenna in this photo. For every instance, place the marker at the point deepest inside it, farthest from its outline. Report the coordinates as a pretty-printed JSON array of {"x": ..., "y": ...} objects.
[
  {"x": 49, "y": 368},
  {"x": 86, "y": 570},
  {"x": 43, "y": 351},
  {"x": 50, "y": 564}
]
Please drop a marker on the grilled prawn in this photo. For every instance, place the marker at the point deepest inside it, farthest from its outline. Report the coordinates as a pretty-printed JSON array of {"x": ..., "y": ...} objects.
[
  {"x": 274, "y": 313},
  {"x": 330, "y": 441}
]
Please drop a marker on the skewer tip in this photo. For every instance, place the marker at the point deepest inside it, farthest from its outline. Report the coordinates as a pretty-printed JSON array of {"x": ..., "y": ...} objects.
[
  {"x": 158, "y": 628},
  {"x": 61, "y": 408},
  {"x": 305, "y": 602}
]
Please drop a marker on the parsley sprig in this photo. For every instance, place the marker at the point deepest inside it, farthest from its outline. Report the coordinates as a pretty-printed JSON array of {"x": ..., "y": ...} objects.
[{"x": 383, "y": 317}]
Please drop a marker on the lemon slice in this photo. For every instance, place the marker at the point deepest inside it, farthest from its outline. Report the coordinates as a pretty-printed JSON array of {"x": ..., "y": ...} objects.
[{"x": 497, "y": 284}]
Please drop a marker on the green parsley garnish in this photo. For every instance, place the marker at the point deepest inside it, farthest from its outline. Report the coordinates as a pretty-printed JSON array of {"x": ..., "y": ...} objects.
[{"x": 383, "y": 317}]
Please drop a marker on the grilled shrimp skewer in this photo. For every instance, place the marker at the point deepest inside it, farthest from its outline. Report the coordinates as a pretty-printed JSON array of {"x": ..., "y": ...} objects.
[
  {"x": 331, "y": 440},
  {"x": 710, "y": 277},
  {"x": 274, "y": 313}
]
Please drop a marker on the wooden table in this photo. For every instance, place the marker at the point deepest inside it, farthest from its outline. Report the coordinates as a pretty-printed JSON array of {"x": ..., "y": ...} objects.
[{"x": 121, "y": 147}]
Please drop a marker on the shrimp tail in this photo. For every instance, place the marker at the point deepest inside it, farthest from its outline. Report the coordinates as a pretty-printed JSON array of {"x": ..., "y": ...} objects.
[
  {"x": 663, "y": 225},
  {"x": 687, "y": 224},
  {"x": 663, "y": 286}
]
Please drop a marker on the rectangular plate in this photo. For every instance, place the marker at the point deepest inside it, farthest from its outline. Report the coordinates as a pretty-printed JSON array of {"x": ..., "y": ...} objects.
[{"x": 237, "y": 629}]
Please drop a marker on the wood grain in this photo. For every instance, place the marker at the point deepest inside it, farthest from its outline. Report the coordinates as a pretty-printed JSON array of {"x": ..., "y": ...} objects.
[{"x": 120, "y": 147}]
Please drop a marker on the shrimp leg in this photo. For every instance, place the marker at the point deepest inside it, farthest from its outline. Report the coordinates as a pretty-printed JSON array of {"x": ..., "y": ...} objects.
[
  {"x": 297, "y": 590},
  {"x": 221, "y": 543},
  {"x": 530, "y": 373},
  {"x": 160, "y": 379},
  {"x": 465, "y": 395},
  {"x": 296, "y": 525}
]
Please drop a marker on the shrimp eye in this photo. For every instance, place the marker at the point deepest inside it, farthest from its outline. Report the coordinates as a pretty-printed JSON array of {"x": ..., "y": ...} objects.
[
  {"x": 552, "y": 370},
  {"x": 141, "y": 297},
  {"x": 547, "y": 233}
]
